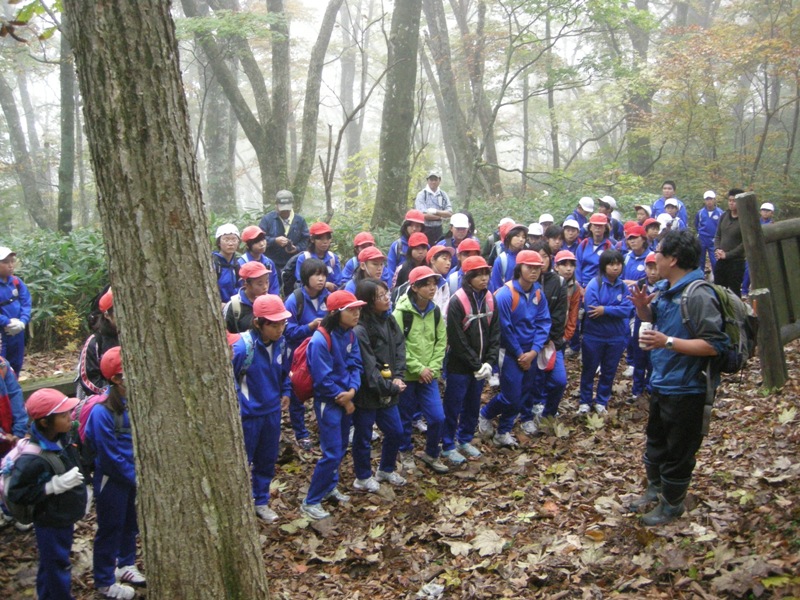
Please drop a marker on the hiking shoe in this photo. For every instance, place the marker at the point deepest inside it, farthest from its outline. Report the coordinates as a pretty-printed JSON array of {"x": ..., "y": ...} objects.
[
  {"x": 305, "y": 444},
  {"x": 130, "y": 575},
  {"x": 530, "y": 428},
  {"x": 420, "y": 426},
  {"x": 335, "y": 494},
  {"x": 628, "y": 372},
  {"x": 494, "y": 380},
  {"x": 265, "y": 513},
  {"x": 600, "y": 409},
  {"x": 117, "y": 592},
  {"x": 370, "y": 484},
  {"x": 392, "y": 478},
  {"x": 469, "y": 450},
  {"x": 538, "y": 411},
  {"x": 406, "y": 460},
  {"x": 434, "y": 463},
  {"x": 314, "y": 511},
  {"x": 505, "y": 440},
  {"x": 584, "y": 409},
  {"x": 485, "y": 427},
  {"x": 454, "y": 456}
]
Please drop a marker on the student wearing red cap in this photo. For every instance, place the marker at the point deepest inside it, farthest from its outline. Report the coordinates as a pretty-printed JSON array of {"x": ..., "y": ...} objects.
[
  {"x": 15, "y": 310},
  {"x": 45, "y": 474},
  {"x": 90, "y": 378},
  {"x": 565, "y": 267},
  {"x": 371, "y": 265},
  {"x": 439, "y": 258},
  {"x": 413, "y": 222},
  {"x": 362, "y": 241},
  {"x": 524, "y": 331},
  {"x": 334, "y": 362},
  {"x": 426, "y": 338},
  {"x": 469, "y": 247},
  {"x": 319, "y": 247},
  {"x": 473, "y": 334},
  {"x": 108, "y": 433},
  {"x": 514, "y": 236},
  {"x": 590, "y": 249},
  {"x": 261, "y": 362},
  {"x": 256, "y": 241},
  {"x": 416, "y": 251},
  {"x": 238, "y": 313}
]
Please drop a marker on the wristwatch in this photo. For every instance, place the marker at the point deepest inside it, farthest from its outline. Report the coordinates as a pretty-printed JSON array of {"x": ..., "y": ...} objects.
[{"x": 670, "y": 343}]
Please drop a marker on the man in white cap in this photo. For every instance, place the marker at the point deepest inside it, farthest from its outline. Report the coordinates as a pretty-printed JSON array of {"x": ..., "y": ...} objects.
[
  {"x": 705, "y": 223},
  {"x": 435, "y": 205},
  {"x": 287, "y": 232},
  {"x": 767, "y": 210},
  {"x": 581, "y": 214}
]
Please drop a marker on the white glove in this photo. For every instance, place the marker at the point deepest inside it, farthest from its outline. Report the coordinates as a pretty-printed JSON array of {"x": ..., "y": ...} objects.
[
  {"x": 432, "y": 211},
  {"x": 63, "y": 483},
  {"x": 14, "y": 327},
  {"x": 484, "y": 372}
]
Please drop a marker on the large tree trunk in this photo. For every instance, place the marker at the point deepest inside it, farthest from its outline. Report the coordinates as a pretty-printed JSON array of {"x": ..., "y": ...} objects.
[
  {"x": 22, "y": 159},
  {"x": 277, "y": 125},
  {"x": 397, "y": 118},
  {"x": 196, "y": 511},
  {"x": 219, "y": 135},
  {"x": 66, "y": 167}
]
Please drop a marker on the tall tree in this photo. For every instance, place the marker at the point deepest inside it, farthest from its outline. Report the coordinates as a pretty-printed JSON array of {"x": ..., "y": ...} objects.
[
  {"x": 196, "y": 511},
  {"x": 397, "y": 118},
  {"x": 66, "y": 167}
]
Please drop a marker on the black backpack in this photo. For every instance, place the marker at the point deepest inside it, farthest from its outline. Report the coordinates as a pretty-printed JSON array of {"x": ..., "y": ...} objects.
[{"x": 288, "y": 280}]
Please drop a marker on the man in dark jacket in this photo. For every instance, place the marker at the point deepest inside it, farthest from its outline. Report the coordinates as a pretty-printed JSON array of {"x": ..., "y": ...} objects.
[
  {"x": 287, "y": 232},
  {"x": 729, "y": 270}
]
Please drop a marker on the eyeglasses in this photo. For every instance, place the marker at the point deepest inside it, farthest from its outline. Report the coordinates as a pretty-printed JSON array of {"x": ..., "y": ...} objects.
[
  {"x": 277, "y": 323},
  {"x": 383, "y": 297}
]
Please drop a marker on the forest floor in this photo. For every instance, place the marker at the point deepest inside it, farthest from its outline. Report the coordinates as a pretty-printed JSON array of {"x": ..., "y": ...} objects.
[{"x": 546, "y": 520}]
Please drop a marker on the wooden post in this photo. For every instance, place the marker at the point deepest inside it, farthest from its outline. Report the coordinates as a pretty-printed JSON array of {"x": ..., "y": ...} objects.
[{"x": 770, "y": 347}]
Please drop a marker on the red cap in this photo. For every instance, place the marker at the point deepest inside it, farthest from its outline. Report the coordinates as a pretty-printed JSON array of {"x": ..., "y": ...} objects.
[
  {"x": 415, "y": 216},
  {"x": 48, "y": 401},
  {"x": 106, "y": 301},
  {"x": 508, "y": 228},
  {"x": 365, "y": 237},
  {"x": 370, "y": 253},
  {"x": 636, "y": 231},
  {"x": 252, "y": 269},
  {"x": 650, "y": 221},
  {"x": 474, "y": 263},
  {"x": 628, "y": 225},
  {"x": 564, "y": 255},
  {"x": 438, "y": 250},
  {"x": 320, "y": 228},
  {"x": 111, "y": 363},
  {"x": 418, "y": 239},
  {"x": 469, "y": 245},
  {"x": 419, "y": 273},
  {"x": 598, "y": 219},
  {"x": 529, "y": 257},
  {"x": 252, "y": 232},
  {"x": 270, "y": 307},
  {"x": 342, "y": 300},
  {"x": 650, "y": 258}
]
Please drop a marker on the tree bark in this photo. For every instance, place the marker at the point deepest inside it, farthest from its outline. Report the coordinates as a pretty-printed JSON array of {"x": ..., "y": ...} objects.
[
  {"x": 398, "y": 115},
  {"x": 66, "y": 167},
  {"x": 278, "y": 123},
  {"x": 23, "y": 165},
  {"x": 195, "y": 506}
]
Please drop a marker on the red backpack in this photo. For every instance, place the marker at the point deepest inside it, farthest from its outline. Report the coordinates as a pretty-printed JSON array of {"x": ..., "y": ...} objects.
[{"x": 302, "y": 384}]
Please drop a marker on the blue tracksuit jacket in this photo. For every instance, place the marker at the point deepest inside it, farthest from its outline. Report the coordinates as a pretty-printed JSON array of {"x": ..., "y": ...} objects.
[
  {"x": 527, "y": 327},
  {"x": 499, "y": 275},
  {"x": 266, "y": 380},
  {"x": 297, "y": 328},
  {"x": 114, "y": 451},
  {"x": 588, "y": 259},
  {"x": 331, "y": 261},
  {"x": 338, "y": 369},
  {"x": 634, "y": 268},
  {"x": 274, "y": 277},
  {"x": 613, "y": 324},
  {"x": 705, "y": 223}
]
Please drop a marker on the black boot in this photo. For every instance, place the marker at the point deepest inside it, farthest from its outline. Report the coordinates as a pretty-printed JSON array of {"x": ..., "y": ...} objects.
[
  {"x": 650, "y": 495},
  {"x": 663, "y": 513}
]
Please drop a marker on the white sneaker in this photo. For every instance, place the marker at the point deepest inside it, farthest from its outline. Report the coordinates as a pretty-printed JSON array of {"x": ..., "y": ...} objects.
[
  {"x": 314, "y": 511},
  {"x": 117, "y": 592},
  {"x": 529, "y": 427},
  {"x": 370, "y": 484},
  {"x": 538, "y": 411},
  {"x": 494, "y": 380},
  {"x": 265, "y": 513},
  {"x": 584, "y": 409},
  {"x": 392, "y": 478},
  {"x": 434, "y": 463},
  {"x": 454, "y": 456},
  {"x": 130, "y": 575},
  {"x": 600, "y": 409},
  {"x": 485, "y": 427},
  {"x": 376, "y": 435},
  {"x": 469, "y": 450},
  {"x": 406, "y": 460},
  {"x": 505, "y": 440},
  {"x": 420, "y": 426},
  {"x": 628, "y": 372},
  {"x": 335, "y": 494}
]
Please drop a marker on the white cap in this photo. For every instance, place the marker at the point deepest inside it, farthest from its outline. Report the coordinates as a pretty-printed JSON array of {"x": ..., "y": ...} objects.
[
  {"x": 587, "y": 204},
  {"x": 226, "y": 229},
  {"x": 610, "y": 201},
  {"x": 535, "y": 229},
  {"x": 765, "y": 206},
  {"x": 546, "y": 218},
  {"x": 664, "y": 220},
  {"x": 671, "y": 202},
  {"x": 459, "y": 220},
  {"x": 645, "y": 207},
  {"x": 6, "y": 252},
  {"x": 433, "y": 173},
  {"x": 504, "y": 220},
  {"x": 709, "y": 194},
  {"x": 571, "y": 223}
]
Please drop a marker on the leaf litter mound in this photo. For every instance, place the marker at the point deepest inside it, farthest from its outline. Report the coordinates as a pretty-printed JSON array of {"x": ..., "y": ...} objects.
[{"x": 545, "y": 520}]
